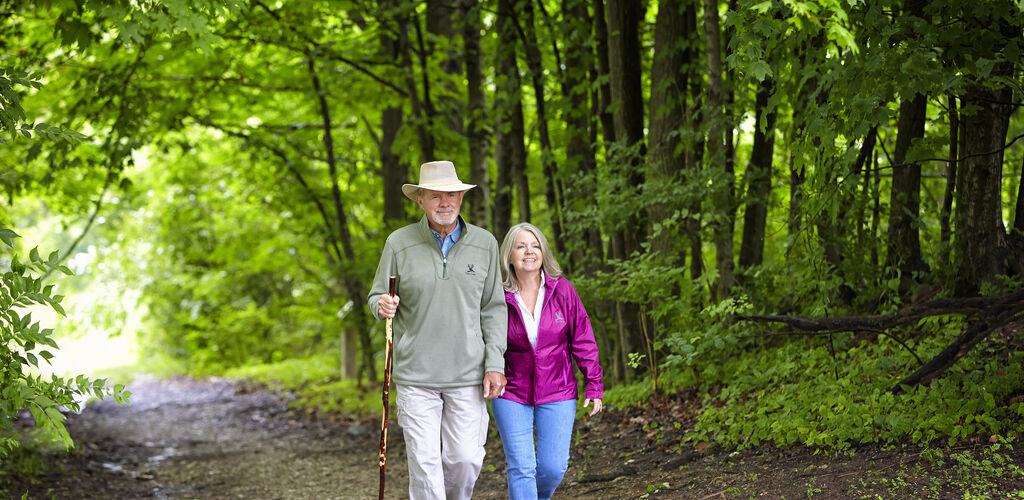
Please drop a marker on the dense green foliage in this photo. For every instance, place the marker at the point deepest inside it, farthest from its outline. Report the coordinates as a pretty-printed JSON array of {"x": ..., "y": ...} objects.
[
  {"x": 25, "y": 347},
  {"x": 237, "y": 164}
]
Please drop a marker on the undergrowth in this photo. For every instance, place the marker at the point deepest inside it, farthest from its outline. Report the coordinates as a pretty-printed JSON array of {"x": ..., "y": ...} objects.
[
  {"x": 316, "y": 384},
  {"x": 833, "y": 393}
]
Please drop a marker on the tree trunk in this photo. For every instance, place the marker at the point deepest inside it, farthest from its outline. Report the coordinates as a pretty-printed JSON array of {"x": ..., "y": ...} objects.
[
  {"x": 422, "y": 114},
  {"x": 694, "y": 152},
  {"x": 904, "y": 243},
  {"x": 623, "y": 17},
  {"x": 979, "y": 242},
  {"x": 349, "y": 366},
  {"x": 394, "y": 172},
  {"x": 441, "y": 24},
  {"x": 1018, "y": 213},
  {"x": 600, "y": 80},
  {"x": 511, "y": 150},
  {"x": 759, "y": 173},
  {"x": 579, "y": 155},
  {"x": 947, "y": 197},
  {"x": 876, "y": 210},
  {"x": 476, "y": 131},
  {"x": 547, "y": 154},
  {"x": 668, "y": 114},
  {"x": 716, "y": 125}
]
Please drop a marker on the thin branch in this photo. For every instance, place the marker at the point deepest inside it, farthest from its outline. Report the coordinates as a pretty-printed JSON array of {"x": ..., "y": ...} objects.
[
  {"x": 88, "y": 224},
  {"x": 331, "y": 55},
  {"x": 332, "y": 164},
  {"x": 290, "y": 167},
  {"x": 946, "y": 160}
]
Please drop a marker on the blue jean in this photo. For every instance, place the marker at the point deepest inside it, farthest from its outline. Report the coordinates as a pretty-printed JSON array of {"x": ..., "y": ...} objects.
[{"x": 534, "y": 468}]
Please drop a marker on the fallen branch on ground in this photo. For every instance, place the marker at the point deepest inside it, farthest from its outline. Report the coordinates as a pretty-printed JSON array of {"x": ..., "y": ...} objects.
[{"x": 992, "y": 314}]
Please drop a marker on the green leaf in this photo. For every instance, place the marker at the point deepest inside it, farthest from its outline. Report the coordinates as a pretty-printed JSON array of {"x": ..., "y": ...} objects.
[
  {"x": 760, "y": 70},
  {"x": 8, "y": 236}
]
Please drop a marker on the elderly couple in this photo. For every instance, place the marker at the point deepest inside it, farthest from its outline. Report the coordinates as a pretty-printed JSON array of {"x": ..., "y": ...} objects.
[{"x": 457, "y": 343}]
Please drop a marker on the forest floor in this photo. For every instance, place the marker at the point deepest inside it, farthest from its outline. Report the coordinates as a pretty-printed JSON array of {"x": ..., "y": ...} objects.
[{"x": 217, "y": 439}]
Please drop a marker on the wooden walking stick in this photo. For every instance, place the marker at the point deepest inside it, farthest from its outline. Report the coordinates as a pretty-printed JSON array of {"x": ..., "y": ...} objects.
[{"x": 392, "y": 289}]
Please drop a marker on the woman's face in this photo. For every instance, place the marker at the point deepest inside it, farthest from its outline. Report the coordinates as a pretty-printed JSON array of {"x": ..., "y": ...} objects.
[{"x": 526, "y": 256}]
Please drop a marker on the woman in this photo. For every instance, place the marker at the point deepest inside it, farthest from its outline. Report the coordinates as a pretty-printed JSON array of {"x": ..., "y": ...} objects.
[{"x": 546, "y": 325}]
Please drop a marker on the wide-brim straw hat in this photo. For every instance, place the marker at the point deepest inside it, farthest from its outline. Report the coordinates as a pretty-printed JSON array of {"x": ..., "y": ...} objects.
[{"x": 437, "y": 176}]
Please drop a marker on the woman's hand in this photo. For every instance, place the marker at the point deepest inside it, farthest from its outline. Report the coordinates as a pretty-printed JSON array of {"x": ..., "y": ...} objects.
[{"x": 598, "y": 406}]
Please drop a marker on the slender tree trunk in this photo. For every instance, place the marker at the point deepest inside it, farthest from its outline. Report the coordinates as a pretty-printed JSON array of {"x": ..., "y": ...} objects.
[
  {"x": 797, "y": 176},
  {"x": 352, "y": 284},
  {"x": 904, "y": 243},
  {"x": 511, "y": 150},
  {"x": 694, "y": 151},
  {"x": 422, "y": 114},
  {"x": 947, "y": 198},
  {"x": 601, "y": 80},
  {"x": 349, "y": 351},
  {"x": 759, "y": 173},
  {"x": 479, "y": 197},
  {"x": 1018, "y": 213},
  {"x": 442, "y": 24},
  {"x": 547, "y": 154},
  {"x": 394, "y": 172},
  {"x": 623, "y": 17},
  {"x": 579, "y": 155},
  {"x": 716, "y": 120},
  {"x": 876, "y": 211},
  {"x": 863, "y": 195}
]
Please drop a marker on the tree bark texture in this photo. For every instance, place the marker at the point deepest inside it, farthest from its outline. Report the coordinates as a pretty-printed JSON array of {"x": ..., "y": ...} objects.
[
  {"x": 511, "y": 150},
  {"x": 394, "y": 172},
  {"x": 580, "y": 63},
  {"x": 603, "y": 74},
  {"x": 623, "y": 17},
  {"x": 442, "y": 23},
  {"x": 947, "y": 197},
  {"x": 717, "y": 157},
  {"x": 552, "y": 182},
  {"x": 694, "y": 152},
  {"x": 422, "y": 115},
  {"x": 904, "y": 242},
  {"x": 759, "y": 179},
  {"x": 476, "y": 118},
  {"x": 979, "y": 240},
  {"x": 668, "y": 113}
]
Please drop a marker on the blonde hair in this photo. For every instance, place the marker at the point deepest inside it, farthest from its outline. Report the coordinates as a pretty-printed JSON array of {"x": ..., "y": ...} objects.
[{"x": 548, "y": 263}]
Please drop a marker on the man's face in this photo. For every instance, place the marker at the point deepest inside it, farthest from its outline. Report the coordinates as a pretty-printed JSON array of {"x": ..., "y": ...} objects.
[{"x": 441, "y": 207}]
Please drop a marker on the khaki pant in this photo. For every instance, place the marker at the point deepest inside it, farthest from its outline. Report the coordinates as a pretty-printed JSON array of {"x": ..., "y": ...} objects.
[{"x": 445, "y": 431}]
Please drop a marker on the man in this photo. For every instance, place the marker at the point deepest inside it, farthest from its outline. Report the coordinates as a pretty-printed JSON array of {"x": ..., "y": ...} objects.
[{"x": 449, "y": 334}]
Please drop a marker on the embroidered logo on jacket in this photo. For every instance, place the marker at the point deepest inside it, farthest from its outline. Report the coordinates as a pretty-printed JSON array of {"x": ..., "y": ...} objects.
[
  {"x": 558, "y": 317},
  {"x": 469, "y": 269}
]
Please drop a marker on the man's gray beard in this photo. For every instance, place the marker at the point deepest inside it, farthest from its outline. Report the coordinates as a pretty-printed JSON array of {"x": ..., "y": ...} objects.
[{"x": 437, "y": 220}]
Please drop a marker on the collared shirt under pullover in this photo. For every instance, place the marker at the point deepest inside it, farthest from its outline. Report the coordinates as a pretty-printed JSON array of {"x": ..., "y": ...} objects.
[{"x": 451, "y": 324}]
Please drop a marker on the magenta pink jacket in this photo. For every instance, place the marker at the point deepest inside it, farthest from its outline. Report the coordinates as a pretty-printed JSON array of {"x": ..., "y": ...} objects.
[{"x": 545, "y": 375}]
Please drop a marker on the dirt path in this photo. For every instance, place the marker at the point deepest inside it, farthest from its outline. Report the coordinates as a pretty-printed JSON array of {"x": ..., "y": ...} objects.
[{"x": 221, "y": 439}]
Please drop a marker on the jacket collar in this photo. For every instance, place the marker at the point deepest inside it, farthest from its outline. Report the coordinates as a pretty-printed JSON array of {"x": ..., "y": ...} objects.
[
  {"x": 428, "y": 233},
  {"x": 550, "y": 283}
]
